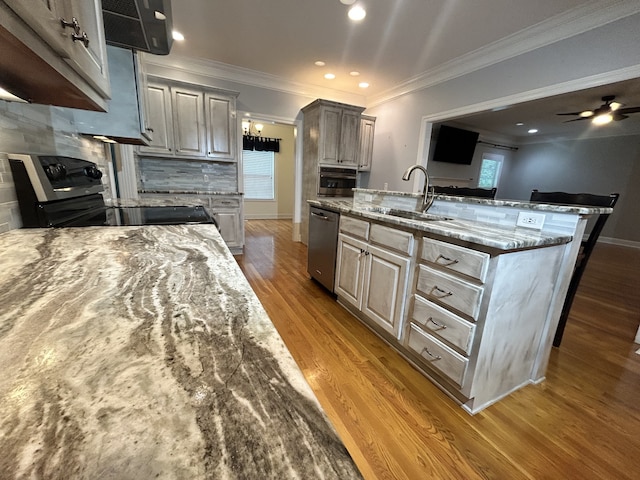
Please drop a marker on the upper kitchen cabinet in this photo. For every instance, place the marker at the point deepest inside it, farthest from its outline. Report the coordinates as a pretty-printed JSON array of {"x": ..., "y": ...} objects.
[
  {"x": 191, "y": 121},
  {"x": 54, "y": 52},
  {"x": 365, "y": 152},
  {"x": 337, "y": 128},
  {"x": 221, "y": 125}
]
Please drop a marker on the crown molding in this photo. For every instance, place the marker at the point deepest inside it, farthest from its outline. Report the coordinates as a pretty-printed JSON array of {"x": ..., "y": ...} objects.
[
  {"x": 245, "y": 76},
  {"x": 586, "y": 17},
  {"x": 560, "y": 27}
]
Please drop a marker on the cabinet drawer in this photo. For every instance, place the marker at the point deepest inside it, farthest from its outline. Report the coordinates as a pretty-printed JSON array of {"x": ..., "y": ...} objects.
[
  {"x": 443, "y": 323},
  {"x": 355, "y": 227},
  {"x": 450, "y": 291},
  {"x": 458, "y": 259},
  {"x": 438, "y": 355},
  {"x": 392, "y": 238},
  {"x": 225, "y": 202}
]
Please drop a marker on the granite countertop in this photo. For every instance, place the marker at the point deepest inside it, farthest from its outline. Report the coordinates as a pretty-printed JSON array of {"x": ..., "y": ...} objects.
[
  {"x": 522, "y": 204},
  {"x": 485, "y": 234},
  {"x": 142, "y": 352}
]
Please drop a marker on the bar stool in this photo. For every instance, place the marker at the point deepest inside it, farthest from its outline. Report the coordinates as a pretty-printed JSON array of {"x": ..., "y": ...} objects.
[{"x": 586, "y": 246}]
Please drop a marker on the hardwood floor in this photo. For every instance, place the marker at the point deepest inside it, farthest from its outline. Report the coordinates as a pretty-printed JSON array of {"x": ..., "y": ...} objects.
[{"x": 583, "y": 422}]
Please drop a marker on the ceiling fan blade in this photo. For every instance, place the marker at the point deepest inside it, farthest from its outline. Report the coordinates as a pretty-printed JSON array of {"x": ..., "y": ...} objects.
[
  {"x": 570, "y": 113},
  {"x": 578, "y": 119},
  {"x": 628, "y": 110},
  {"x": 618, "y": 116}
]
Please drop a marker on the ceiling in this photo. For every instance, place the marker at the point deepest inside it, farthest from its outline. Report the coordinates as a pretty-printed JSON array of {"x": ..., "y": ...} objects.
[
  {"x": 398, "y": 42},
  {"x": 542, "y": 115}
]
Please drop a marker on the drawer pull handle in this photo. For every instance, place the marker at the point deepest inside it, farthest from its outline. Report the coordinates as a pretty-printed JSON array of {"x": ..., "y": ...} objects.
[
  {"x": 447, "y": 261},
  {"x": 441, "y": 326},
  {"x": 439, "y": 293},
  {"x": 426, "y": 350}
]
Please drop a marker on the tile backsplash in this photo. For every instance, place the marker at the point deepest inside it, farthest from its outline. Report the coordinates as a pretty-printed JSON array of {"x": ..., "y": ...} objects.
[
  {"x": 159, "y": 174},
  {"x": 45, "y": 130}
]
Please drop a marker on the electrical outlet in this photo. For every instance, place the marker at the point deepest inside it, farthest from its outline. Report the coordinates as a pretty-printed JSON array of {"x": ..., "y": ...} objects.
[{"x": 530, "y": 220}]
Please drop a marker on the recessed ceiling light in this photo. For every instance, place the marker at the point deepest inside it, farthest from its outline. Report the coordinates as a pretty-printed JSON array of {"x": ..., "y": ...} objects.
[
  {"x": 354, "y": 73},
  {"x": 532, "y": 130},
  {"x": 357, "y": 13},
  {"x": 347, "y": 2},
  {"x": 159, "y": 15},
  {"x": 320, "y": 63},
  {"x": 363, "y": 85},
  {"x": 177, "y": 36},
  {"x": 329, "y": 76},
  {"x": 519, "y": 124}
]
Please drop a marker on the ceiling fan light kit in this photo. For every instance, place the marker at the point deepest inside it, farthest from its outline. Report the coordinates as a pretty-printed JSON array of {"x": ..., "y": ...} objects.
[{"x": 605, "y": 113}]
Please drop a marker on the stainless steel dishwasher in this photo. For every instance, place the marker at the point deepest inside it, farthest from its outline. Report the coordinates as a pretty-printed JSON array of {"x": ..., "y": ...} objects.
[{"x": 322, "y": 245}]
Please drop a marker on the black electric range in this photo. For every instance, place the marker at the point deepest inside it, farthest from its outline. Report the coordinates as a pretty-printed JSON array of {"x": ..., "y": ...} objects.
[{"x": 56, "y": 191}]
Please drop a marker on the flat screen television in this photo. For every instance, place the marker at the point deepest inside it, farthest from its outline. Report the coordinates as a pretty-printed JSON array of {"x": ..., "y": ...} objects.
[{"x": 455, "y": 145}]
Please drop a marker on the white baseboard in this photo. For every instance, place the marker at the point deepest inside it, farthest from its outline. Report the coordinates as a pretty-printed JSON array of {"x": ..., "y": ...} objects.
[
  {"x": 619, "y": 241},
  {"x": 268, "y": 216}
]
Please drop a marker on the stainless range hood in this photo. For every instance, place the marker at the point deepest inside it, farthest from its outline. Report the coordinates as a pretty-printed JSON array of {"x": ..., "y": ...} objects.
[{"x": 143, "y": 25}]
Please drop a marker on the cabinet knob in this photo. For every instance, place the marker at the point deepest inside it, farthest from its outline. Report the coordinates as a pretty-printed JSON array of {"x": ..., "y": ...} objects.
[
  {"x": 82, "y": 38},
  {"x": 72, "y": 24}
]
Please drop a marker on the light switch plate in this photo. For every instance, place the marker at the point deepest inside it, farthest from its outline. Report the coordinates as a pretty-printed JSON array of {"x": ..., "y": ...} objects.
[{"x": 530, "y": 220}]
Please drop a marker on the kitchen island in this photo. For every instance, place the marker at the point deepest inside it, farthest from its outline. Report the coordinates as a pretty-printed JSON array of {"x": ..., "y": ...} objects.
[
  {"x": 465, "y": 293},
  {"x": 142, "y": 352}
]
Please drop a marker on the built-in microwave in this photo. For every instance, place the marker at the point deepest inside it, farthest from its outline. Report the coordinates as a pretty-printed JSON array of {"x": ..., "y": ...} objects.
[{"x": 336, "y": 182}]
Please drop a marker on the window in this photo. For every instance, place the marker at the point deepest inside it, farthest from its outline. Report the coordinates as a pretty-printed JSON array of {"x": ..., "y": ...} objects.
[
  {"x": 258, "y": 175},
  {"x": 490, "y": 170}
]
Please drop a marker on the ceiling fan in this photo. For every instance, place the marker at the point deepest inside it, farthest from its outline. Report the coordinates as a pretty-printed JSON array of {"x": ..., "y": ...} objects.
[{"x": 605, "y": 113}]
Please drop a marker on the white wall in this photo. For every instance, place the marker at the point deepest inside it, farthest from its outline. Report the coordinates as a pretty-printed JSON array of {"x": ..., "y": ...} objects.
[
  {"x": 586, "y": 59},
  {"x": 598, "y": 165}
]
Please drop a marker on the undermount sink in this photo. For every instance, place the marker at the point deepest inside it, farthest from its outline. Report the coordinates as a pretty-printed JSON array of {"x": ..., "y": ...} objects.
[{"x": 419, "y": 216}]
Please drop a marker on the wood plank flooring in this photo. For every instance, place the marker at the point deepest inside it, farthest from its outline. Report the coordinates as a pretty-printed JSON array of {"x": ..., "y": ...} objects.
[{"x": 583, "y": 422}]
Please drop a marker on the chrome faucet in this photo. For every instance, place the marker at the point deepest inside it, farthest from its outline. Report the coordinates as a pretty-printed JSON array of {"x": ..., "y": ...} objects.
[{"x": 427, "y": 199}]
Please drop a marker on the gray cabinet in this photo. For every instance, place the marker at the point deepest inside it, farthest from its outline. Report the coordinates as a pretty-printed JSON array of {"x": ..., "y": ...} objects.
[
  {"x": 338, "y": 132},
  {"x": 330, "y": 136},
  {"x": 372, "y": 271},
  {"x": 221, "y": 122},
  {"x": 477, "y": 319},
  {"x": 190, "y": 121},
  {"x": 227, "y": 210},
  {"x": 365, "y": 152},
  {"x": 63, "y": 41}
]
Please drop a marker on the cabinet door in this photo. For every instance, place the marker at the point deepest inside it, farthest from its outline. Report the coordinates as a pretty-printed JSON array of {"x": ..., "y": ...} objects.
[
  {"x": 385, "y": 282},
  {"x": 330, "y": 135},
  {"x": 365, "y": 153},
  {"x": 160, "y": 120},
  {"x": 349, "y": 270},
  {"x": 87, "y": 58},
  {"x": 230, "y": 227},
  {"x": 349, "y": 138},
  {"x": 188, "y": 122},
  {"x": 221, "y": 127}
]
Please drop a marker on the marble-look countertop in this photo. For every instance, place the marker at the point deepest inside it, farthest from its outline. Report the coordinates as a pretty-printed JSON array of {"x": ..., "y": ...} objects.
[
  {"x": 521, "y": 204},
  {"x": 485, "y": 234},
  {"x": 142, "y": 352}
]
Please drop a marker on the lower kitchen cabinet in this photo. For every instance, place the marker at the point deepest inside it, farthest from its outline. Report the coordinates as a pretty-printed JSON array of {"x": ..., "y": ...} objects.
[
  {"x": 477, "y": 318},
  {"x": 227, "y": 211},
  {"x": 370, "y": 278}
]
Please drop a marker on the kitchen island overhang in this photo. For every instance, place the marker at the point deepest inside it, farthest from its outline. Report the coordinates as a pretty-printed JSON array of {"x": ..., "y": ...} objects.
[{"x": 143, "y": 351}]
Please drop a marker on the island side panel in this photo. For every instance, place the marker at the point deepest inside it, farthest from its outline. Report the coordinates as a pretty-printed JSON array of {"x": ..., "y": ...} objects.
[{"x": 516, "y": 316}]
